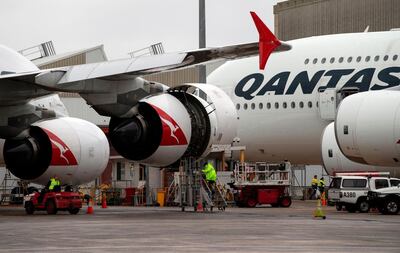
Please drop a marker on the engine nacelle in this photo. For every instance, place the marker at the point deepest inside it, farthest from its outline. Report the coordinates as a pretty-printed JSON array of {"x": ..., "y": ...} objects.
[
  {"x": 334, "y": 160},
  {"x": 75, "y": 150},
  {"x": 368, "y": 128},
  {"x": 186, "y": 121}
]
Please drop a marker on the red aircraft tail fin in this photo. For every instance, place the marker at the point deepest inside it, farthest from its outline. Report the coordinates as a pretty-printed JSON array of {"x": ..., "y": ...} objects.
[{"x": 267, "y": 41}]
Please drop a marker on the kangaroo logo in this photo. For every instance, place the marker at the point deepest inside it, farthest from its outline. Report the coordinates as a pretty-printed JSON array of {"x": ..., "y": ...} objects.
[
  {"x": 61, "y": 154},
  {"x": 172, "y": 133}
]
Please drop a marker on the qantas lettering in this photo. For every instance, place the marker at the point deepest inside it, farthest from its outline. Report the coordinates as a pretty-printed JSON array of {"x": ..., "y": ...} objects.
[{"x": 247, "y": 87}]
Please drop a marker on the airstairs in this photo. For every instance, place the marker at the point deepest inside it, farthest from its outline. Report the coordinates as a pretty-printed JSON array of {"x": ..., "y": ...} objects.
[
  {"x": 189, "y": 189},
  {"x": 7, "y": 184}
]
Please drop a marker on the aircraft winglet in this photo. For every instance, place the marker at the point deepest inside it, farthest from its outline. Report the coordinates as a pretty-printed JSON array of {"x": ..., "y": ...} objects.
[{"x": 267, "y": 41}]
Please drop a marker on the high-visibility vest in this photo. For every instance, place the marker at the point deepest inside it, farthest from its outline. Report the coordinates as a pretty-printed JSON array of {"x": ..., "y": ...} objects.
[
  {"x": 321, "y": 183},
  {"x": 53, "y": 183},
  {"x": 209, "y": 171},
  {"x": 314, "y": 182}
]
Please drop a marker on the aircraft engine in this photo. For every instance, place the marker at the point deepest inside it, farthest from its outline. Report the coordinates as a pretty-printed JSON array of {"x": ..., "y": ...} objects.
[
  {"x": 185, "y": 121},
  {"x": 334, "y": 160},
  {"x": 75, "y": 150},
  {"x": 367, "y": 128}
]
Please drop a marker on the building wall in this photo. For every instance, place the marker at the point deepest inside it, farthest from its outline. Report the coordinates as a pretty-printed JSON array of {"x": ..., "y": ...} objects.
[
  {"x": 304, "y": 18},
  {"x": 174, "y": 78},
  {"x": 73, "y": 60},
  {"x": 95, "y": 55}
]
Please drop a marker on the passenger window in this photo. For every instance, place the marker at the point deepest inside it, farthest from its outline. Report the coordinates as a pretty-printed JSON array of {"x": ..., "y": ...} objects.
[
  {"x": 268, "y": 105},
  {"x": 306, "y": 61},
  {"x": 386, "y": 57},
  {"x": 354, "y": 183},
  {"x": 350, "y": 59},
  {"x": 367, "y": 59},
  {"x": 284, "y": 105},
  {"x": 301, "y": 104},
  {"x": 394, "y": 182},
  {"x": 381, "y": 183},
  {"x": 358, "y": 59},
  {"x": 253, "y": 106},
  {"x": 340, "y": 59},
  {"x": 245, "y": 106},
  {"x": 237, "y": 106},
  {"x": 323, "y": 60},
  {"x": 261, "y": 105},
  {"x": 309, "y": 104},
  {"x": 332, "y": 60},
  {"x": 395, "y": 57},
  {"x": 276, "y": 105},
  {"x": 315, "y": 61},
  {"x": 376, "y": 58},
  {"x": 293, "y": 105},
  {"x": 335, "y": 183}
]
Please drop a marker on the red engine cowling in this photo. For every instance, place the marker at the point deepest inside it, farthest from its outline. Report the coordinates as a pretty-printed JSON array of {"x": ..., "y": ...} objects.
[
  {"x": 335, "y": 161},
  {"x": 367, "y": 128},
  {"x": 186, "y": 121},
  {"x": 75, "y": 150}
]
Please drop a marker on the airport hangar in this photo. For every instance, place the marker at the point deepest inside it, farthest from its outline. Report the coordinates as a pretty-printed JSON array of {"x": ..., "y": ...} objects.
[{"x": 293, "y": 19}]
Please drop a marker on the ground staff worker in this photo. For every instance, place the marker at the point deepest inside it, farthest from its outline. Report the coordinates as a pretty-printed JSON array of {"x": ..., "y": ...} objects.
[
  {"x": 211, "y": 176},
  {"x": 321, "y": 185},
  {"x": 314, "y": 186},
  {"x": 54, "y": 183}
]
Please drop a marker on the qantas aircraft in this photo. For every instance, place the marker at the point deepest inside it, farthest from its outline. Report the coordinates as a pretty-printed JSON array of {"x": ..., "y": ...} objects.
[
  {"x": 332, "y": 100},
  {"x": 288, "y": 111}
]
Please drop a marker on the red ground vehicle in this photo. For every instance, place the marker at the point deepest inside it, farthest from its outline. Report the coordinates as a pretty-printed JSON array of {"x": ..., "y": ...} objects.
[
  {"x": 53, "y": 202},
  {"x": 262, "y": 183}
]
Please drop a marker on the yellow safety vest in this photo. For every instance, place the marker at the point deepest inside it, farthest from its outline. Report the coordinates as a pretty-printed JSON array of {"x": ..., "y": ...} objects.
[
  {"x": 210, "y": 173},
  {"x": 314, "y": 182},
  {"x": 53, "y": 183}
]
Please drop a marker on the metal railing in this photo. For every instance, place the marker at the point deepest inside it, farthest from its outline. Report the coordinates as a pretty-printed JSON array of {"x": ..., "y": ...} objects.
[{"x": 262, "y": 174}]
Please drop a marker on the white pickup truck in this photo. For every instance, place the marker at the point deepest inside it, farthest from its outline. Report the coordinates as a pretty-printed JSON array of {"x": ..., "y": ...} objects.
[
  {"x": 387, "y": 200},
  {"x": 351, "y": 192}
]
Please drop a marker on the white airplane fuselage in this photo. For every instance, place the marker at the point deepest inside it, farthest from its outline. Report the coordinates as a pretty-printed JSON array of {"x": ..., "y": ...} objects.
[{"x": 280, "y": 109}]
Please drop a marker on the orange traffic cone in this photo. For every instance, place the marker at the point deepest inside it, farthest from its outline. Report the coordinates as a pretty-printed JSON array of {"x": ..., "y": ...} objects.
[
  {"x": 199, "y": 207},
  {"x": 323, "y": 199},
  {"x": 90, "y": 207},
  {"x": 104, "y": 203}
]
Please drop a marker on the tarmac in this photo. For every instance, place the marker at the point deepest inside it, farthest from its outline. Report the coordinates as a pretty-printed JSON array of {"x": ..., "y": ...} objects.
[{"x": 168, "y": 229}]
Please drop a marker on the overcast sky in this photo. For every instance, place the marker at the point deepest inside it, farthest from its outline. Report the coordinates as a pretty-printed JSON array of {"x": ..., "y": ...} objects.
[{"x": 126, "y": 25}]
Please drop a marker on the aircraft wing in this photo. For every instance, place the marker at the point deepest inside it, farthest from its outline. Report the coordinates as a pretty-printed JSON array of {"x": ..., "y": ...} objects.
[
  {"x": 62, "y": 79},
  {"x": 59, "y": 78}
]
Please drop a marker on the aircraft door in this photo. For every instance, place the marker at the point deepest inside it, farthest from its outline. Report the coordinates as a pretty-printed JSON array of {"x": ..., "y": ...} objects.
[{"x": 327, "y": 103}]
